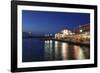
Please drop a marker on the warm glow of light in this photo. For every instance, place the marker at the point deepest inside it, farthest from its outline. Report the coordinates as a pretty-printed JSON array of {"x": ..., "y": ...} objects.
[
  {"x": 65, "y": 32},
  {"x": 76, "y": 50},
  {"x": 81, "y": 30},
  {"x": 81, "y": 54},
  {"x": 64, "y": 50}
]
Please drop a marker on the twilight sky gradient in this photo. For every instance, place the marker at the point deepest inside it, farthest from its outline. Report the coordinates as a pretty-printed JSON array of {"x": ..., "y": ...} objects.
[{"x": 43, "y": 22}]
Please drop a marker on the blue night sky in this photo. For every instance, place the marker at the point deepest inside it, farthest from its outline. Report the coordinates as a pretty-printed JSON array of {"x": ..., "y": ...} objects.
[{"x": 43, "y": 22}]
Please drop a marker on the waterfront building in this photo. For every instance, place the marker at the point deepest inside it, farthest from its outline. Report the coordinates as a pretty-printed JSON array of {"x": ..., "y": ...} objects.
[
  {"x": 63, "y": 34},
  {"x": 82, "y": 32},
  {"x": 82, "y": 28}
]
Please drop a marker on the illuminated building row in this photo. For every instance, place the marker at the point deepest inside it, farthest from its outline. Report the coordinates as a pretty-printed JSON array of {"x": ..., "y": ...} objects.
[
  {"x": 80, "y": 33},
  {"x": 63, "y": 34}
]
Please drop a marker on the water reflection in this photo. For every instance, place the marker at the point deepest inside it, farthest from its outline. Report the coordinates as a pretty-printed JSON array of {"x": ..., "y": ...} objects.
[
  {"x": 78, "y": 52},
  {"x": 55, "y": 50},
  {"x": 39, "y": 50},
  {"x": 48, "y": 50},
  {"x": 64, "y": 51}
]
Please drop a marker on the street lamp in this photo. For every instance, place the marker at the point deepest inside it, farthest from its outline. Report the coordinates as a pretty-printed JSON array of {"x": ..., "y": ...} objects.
[{"x": 81, "y": 30}]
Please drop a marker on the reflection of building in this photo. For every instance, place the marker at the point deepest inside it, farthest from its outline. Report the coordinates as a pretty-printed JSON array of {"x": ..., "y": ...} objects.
[{"x": 63, "y": 34}]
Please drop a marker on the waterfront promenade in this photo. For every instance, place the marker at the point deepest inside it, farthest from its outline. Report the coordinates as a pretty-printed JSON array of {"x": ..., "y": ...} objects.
[
  {"x": 71, "y": 41},
  {"x": 77, "y": 42}
]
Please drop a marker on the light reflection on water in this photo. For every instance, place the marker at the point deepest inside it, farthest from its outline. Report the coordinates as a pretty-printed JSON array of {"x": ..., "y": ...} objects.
[
  {"x": 40, "y": 50},
  {"x": 55, "y": 50},
  {"x": 64, "y": 51}
]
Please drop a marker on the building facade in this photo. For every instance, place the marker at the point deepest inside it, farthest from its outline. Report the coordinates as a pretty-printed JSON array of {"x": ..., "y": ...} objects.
[
  {"x": 63, "y": 34},
  {"x": 82, "y": 32}
]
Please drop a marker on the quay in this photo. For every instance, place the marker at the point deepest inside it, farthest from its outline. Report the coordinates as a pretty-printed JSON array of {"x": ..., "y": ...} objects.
[{"x": 86, "y": 43}]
